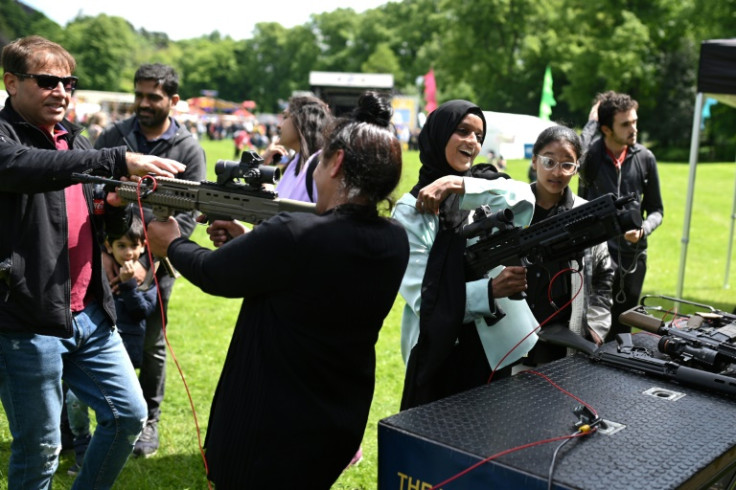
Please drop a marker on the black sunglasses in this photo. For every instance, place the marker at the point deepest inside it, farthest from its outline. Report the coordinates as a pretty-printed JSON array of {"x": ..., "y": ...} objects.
[{"x": 50, "y": 82}]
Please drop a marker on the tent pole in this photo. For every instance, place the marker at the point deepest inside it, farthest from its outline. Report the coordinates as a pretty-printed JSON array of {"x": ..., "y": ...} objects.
[
  {"x": 730, "y": 241},
  {"x": 694, "y": 146}
]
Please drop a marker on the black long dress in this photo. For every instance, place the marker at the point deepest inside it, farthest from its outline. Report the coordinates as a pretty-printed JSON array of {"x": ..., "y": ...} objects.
[{"x": 293, "y": 398}]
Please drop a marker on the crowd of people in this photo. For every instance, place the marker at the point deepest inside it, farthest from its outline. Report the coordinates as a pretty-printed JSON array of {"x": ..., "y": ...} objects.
[{"x": 84, "y": 306}]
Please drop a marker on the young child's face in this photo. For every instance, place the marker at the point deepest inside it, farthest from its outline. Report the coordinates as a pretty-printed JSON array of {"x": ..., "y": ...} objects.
[{"x": 124, "y": 250}]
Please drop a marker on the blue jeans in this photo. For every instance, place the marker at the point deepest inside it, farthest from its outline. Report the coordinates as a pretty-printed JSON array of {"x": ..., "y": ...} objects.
[
  {"x": 78, "y": 414},
  {"x": 95, "y": 365}
]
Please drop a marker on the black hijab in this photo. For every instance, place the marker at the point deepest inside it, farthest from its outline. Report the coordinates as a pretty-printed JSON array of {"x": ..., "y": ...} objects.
[
  {"x": 433, "y": 138},
  {"x": 443, "y": 287}
]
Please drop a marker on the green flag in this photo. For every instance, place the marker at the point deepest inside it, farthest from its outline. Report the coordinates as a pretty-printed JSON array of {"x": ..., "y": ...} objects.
[{"x": 548, "y": 97}]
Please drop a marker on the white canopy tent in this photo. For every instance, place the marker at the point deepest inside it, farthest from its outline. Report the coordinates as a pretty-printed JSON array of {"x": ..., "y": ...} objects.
[
  {"x": 716, "y": 79},
  {"x": 512, "y": 135}
]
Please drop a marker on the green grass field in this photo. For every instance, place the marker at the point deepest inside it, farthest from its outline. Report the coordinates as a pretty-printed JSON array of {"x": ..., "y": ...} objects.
[{"x": 200, "y": 327}]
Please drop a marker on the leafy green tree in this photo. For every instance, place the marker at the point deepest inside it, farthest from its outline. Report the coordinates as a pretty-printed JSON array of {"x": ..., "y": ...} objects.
[
  {"x": 102, "y": 46},
  {"x": 335, "y": 36},
  {"x": 18, "y": 20},
  {"x": 383, "y": 60},
  {"x": 640, "y": 48},
  {"x": 418, "y": 26},
  {"x": 209, "y": 65},
  {"x": 275, "y": 63},
  {"x": 483, "y": 46}
]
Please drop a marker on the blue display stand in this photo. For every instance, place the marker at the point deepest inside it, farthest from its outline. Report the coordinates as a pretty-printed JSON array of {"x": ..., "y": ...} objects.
[{"x": 660, "y": 435}]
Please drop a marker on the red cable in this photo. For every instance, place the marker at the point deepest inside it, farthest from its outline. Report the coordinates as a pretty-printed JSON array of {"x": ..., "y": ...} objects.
[
  {"x": 544, "y": 441},
  {"x": 549, "y": 290},
  {"x": 528, "y": 445},
  {"x": 163, "y": 327},
  {"x": 546, "y": 378}
]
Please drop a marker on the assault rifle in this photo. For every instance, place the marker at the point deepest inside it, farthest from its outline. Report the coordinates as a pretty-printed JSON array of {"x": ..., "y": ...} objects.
[
  {"x": 640, "y": 356},
  {"x": 562, "y": 236},
  {"x": 237, "y": 194},
  {"x": 634, "y": 358},
  {"x": 704, "y": 339}
]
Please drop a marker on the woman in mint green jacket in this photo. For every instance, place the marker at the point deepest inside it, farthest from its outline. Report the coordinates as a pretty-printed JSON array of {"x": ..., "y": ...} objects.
[{"x": 457, "y": 332}]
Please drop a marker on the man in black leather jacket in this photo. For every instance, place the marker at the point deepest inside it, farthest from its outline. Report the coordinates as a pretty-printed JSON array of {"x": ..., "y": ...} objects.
[
  {"x": 616, "y": 163},
  {"x": 57, "y": 317}
]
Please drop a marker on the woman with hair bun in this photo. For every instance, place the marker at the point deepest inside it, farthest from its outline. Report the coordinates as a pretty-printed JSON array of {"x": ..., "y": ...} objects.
[{"x": 294, "y": 395}]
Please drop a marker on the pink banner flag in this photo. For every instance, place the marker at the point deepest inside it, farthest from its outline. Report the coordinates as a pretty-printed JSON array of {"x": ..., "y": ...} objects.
[{"x": 430, "y": 92}]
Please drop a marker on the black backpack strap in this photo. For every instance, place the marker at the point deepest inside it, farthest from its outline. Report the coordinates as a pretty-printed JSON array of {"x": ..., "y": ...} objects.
[{"x": 309, "y": 179}]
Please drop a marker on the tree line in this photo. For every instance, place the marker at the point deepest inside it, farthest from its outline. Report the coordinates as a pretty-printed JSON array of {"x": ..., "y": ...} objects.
[{"x": 492, "y": 52}]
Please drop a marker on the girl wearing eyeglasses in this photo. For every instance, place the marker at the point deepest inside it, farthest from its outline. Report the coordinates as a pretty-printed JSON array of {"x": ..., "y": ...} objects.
[{"x": 556, "y": 154}]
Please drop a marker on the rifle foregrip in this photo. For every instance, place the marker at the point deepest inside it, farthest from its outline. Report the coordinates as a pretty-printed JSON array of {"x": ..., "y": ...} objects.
[{"x": 636, "y": 317}]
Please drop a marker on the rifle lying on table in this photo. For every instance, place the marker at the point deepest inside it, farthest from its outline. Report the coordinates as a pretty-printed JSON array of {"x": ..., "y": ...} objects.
[
  {"x": 704, "y": 339},
  {"x": 639, "y": 357},
  {"x": 562, "y": 236},
  {"x": 237, "y": 194},
  {"x": 628, "y": 356}
]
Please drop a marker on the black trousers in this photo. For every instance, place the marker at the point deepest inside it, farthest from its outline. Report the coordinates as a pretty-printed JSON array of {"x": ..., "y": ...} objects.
[{"x": 153, "y": 367}]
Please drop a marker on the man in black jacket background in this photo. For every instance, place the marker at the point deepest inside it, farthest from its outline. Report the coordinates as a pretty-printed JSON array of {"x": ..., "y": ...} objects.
[
  {"x": 616, "y": 163},
  {"x": 153, "y": 131}
]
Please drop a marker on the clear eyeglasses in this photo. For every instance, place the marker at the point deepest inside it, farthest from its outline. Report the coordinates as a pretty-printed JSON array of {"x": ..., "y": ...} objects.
[{"x": 568, "y": 168}]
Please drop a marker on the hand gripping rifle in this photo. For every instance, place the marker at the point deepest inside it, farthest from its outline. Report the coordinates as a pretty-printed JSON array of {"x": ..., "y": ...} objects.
[
  {"x": 237, "y": 194},
  {"x": 562, "y": 236}
]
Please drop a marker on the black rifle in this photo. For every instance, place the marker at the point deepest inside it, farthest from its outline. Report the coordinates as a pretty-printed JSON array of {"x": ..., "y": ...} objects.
[
  {"x": 637, "y": 359},
  {"x": 704, "y": 339},
  {"x": 562, "y": 236},
  {"x": 630, "y": 357},
  {"x": 237, "y": 194}
]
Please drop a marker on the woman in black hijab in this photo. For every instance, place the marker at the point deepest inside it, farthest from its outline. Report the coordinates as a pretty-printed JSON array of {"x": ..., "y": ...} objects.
[{"x": 455, "y": 333}]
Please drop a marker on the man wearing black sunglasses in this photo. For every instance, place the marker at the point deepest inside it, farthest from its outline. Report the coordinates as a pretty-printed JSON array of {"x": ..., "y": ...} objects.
[
  {"x": 50, "y": 82},
  {"x": 57, "y": 316},
  {"x": 153, "y": 131}
]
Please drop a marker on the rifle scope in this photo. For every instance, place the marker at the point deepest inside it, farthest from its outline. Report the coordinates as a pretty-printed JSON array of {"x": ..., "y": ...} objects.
[
  {"x": 485, "y": 221},
  {"x": 249, "y": 168}
]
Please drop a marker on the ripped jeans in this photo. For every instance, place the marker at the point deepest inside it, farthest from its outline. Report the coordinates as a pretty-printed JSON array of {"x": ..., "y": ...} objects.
[{"x": 96, "y": 366}]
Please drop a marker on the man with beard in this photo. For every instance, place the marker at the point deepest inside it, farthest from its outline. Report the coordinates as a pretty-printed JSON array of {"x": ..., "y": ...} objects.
[
  {"x": 616, "y": 163},
  {"x": 153, "y": 131}
]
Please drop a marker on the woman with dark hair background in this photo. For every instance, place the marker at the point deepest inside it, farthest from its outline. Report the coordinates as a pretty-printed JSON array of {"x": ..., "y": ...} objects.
[
  {"x": 294, "y": 395},
  {"x": 300, "y": 131}
]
